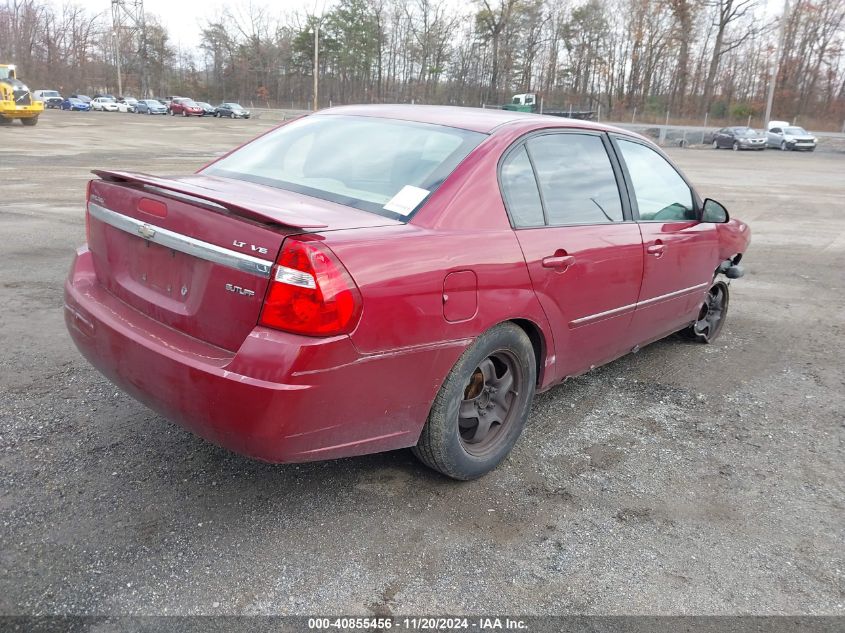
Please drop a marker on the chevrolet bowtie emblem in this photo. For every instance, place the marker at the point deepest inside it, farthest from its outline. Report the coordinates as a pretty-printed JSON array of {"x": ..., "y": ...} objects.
[{"x": 146, "y": 231}]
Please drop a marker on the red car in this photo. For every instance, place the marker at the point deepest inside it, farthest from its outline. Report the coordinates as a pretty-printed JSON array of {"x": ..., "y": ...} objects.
[
  {"x": 185, "y": 107},
  {"x": 368, "y": 278}
]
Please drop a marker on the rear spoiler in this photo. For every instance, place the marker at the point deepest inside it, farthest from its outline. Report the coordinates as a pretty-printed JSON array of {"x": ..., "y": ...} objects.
[{"x": 180, "y": 188}]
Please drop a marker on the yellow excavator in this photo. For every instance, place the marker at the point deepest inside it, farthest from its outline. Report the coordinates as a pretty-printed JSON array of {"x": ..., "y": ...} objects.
[{"x": 16, "y": 101}]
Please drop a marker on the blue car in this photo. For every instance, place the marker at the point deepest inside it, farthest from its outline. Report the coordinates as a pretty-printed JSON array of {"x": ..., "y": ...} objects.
[
  {"x": 150, "y": 106},
  {"x": 72, "y": 103}
]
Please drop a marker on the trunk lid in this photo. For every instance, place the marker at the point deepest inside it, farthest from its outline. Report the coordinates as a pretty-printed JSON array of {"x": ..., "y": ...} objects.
[{"x": 195, "y": 252}]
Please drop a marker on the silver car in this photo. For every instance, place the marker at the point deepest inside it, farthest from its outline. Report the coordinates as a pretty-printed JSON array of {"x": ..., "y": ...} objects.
[{"x": 791, "y": 137}]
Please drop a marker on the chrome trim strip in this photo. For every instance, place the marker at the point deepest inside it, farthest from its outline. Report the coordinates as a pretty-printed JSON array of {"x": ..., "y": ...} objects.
[
  {"x": 671, "y": 294},
  {"x": 182, "y": 243},
  {"x": 630, "y": 306},
  {"x": 599, "y": 315}
]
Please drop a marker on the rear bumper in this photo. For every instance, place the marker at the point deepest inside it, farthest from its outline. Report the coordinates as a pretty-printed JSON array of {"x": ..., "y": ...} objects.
[{"x": 279, "y": 398}]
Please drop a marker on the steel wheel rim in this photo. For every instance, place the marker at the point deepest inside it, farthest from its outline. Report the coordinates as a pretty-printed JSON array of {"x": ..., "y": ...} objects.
[
  {"x": 711, "y": 315},
  {"x": 489, "y": 403}
]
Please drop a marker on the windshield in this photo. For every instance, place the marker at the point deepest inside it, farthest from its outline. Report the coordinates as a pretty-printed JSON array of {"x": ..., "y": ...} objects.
[
  {"x": 4, "y": 72},
  {"x": 188, "y": 102},
  {"x": 49, "y": 93},
  {"x": 379, "y": 165},
  {"x": 745, "y": 131},
  {"x": 795, "y": 130}
]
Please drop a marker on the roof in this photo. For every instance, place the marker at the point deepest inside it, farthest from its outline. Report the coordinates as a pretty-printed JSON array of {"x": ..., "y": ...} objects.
[{"x": 483, "y": 120}]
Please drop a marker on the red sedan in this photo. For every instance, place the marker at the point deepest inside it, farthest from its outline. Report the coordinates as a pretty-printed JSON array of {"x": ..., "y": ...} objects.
[
  {"x": 185, "y": 107},
  {"x": 369, "y": 278}
]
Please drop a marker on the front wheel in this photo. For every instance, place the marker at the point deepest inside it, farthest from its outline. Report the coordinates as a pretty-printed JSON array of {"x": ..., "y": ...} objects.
[
  {"x": 784, "y": 147},
  {"x": 715, "y": 144},
  {"x": 482, "y": 406},
  {"x": 31, "y": 121},
  {"x": 711, "y": 316},
  {"x": 736, "y": 146}
]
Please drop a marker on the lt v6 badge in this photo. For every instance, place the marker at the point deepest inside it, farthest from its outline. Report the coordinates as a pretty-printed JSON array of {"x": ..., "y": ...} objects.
[{"x": 255, "y": 249}]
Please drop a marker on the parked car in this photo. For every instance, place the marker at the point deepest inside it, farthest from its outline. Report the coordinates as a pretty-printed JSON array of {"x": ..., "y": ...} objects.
[
  {"x": 130, "y": 102},
  {"x": 185, "y": 107},
  {"x": 84, "y": 98},
  {"x": 296, "y": 300},
  {"x": 104, "y": 104},
  {"x": 72, "y": 103},
  {"x": 232, "y": 110},
  {"x": 207, "y": 108},
  {"x": 738, "y": 138},
  {"x": 123, "y": 106},
  {"x": 790, "y": 137},
  {"x": 50, "y": 98},
  {"x": 150, "y": 106}
]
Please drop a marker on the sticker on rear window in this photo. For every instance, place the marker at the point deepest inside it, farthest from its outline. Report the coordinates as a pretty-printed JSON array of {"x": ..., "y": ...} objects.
[{"x": 406, "y": 200}]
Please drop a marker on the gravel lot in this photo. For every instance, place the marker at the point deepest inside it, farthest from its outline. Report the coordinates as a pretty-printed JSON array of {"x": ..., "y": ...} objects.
[{"x": 685, "y": 479}]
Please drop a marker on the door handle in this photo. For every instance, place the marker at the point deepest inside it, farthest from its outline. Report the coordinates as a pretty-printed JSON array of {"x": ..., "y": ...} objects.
[
  {"x": 559, "y": 262},
  {"x": 656, "y": 249}
]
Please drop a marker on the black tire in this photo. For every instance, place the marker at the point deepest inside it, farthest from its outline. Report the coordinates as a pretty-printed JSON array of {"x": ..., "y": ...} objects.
[
  {"x": 494, "y": 379},
  {"x": 784, "y": 147},
  {"x": 711, "y": 316},
  {"x": 30, "y": 122},
  {"x": 736, "y": 146},
  {"x": 715, "y": 144},
  {"x": 5, "y": 121}
]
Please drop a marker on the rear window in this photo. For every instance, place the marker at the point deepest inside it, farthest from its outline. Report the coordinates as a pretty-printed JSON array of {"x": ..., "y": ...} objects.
[{"x": 379, "y": 165}]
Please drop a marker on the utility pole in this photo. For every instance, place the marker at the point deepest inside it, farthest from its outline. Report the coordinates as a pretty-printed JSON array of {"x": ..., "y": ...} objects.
[
  {"x": 116, "y": 38},
  {"x": 778, "y": 53},
  {"x": 316, "y": 64}
]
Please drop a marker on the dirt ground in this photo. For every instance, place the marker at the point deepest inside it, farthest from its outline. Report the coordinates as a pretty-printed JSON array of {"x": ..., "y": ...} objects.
[{"x": 685, "y": 479}]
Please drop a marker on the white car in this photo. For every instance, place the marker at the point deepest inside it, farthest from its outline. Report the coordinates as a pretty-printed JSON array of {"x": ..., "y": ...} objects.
[
  {"x": 127, "y": 104},
  {"x": 105, "y": 104},
  {"x": 790, "y": 137}
]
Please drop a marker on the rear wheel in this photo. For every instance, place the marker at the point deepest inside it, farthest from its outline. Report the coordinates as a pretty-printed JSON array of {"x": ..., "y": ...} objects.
[
  {"x": 482, "y": 406},
  {"x": 783, "y": 146},
  {"x": 31, "y": 121},
  {"x": 715, "y": 144},
  {"x": 736, "y": 146},
  {"x": 711, "y": 315}
]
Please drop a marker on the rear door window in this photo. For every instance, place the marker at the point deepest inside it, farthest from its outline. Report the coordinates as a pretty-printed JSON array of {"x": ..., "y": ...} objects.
[
  {"x": 519, "y": 187},
  {"x": 577, "y": 182}
]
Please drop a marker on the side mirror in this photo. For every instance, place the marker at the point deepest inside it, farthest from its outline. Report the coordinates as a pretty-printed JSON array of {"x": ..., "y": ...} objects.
[{"x": 714, "y": 212}]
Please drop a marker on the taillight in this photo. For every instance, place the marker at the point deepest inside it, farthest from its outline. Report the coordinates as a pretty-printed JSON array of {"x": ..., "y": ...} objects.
[{"x": 310, "y": 291}]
